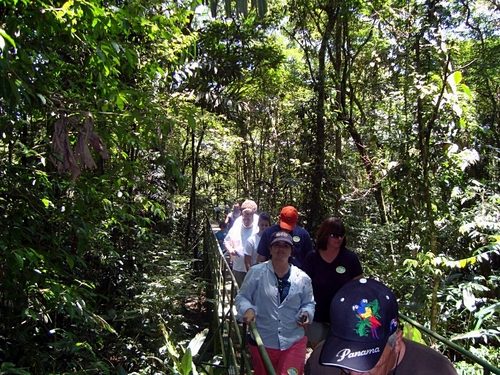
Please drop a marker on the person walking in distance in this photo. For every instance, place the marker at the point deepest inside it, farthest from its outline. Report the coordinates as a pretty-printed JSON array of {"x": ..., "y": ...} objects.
[
  {"x": 233, "y": 215},
  {"x": 221, "y": 234}
]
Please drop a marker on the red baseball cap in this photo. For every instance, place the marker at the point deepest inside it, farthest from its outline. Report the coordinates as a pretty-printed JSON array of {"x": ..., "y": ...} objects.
[{"x": 288, "y": 217}]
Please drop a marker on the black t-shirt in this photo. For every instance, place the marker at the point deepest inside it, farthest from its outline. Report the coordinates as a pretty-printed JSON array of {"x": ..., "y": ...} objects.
[{"x": 327, "y": 278}]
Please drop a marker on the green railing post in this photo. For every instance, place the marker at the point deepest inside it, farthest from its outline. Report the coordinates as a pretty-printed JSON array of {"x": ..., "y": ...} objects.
[{"x": 262, "y": 350}]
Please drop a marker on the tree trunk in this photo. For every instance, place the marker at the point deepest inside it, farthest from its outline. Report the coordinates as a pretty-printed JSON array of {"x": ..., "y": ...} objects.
[
  {"x": 317, "y": 210},
  {"x": 195, "y": 159}
]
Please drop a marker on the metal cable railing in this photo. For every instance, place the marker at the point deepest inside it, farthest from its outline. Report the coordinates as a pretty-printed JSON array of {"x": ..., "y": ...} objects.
[{"x": 229, "y": 337}]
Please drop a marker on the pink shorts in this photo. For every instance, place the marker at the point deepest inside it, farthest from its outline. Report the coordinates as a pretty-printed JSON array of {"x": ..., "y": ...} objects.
[{"x": 285, "y": 362}]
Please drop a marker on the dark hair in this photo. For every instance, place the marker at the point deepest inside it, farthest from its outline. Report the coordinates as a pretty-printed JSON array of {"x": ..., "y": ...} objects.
[
  {"x": 265, "y": 216},
  {"x": 327, "y": 227},
  {"x": 222, "y": 224}
]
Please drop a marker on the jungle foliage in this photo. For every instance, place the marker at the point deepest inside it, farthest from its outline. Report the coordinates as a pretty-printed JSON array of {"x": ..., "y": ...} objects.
[{"x": 122, "y": 123}]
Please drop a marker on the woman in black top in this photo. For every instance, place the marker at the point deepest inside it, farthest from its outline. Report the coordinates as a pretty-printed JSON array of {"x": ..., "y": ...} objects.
[{"x": 329, "y": 267}]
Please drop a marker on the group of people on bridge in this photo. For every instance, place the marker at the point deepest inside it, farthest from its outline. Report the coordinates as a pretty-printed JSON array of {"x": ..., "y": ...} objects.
[{"x": 301, "y": 295}]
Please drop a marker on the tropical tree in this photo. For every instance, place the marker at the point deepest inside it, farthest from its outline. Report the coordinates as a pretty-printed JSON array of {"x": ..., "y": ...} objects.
[{"x": 85, "y": 135}]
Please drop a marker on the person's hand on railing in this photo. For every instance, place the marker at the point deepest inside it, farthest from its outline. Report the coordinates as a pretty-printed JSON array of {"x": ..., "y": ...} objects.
[
  {"x": 249, "y": 316},
  {"x": 303, "y": 320}
]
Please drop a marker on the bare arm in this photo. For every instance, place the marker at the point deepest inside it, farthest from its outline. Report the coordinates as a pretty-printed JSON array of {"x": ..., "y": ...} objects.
[{"x": 248, "y": 261}]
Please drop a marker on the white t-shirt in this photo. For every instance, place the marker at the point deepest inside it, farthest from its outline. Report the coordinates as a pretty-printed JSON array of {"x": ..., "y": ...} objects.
[
  {"x": 237, "y": 238},
  {"x": 251, "y": 248}
]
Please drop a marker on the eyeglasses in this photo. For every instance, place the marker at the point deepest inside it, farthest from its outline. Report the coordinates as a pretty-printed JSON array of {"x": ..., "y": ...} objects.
[
  {"x": 280, "y": 285},
  {"x": 336, "y": 235},
  {"x": 283, "y": 287}
]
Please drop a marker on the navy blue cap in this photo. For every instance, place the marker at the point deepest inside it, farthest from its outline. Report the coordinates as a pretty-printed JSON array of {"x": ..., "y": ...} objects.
[
  {"x": 364, "y": 313},
  {"x": 281, "y": 236}
]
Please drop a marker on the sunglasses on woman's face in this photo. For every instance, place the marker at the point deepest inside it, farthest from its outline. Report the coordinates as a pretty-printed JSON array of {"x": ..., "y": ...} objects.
[{"x": 336, "y": 235}]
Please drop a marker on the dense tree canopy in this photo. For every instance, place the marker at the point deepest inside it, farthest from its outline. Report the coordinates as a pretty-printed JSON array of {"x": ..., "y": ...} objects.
[{"x": 122, "y": 122}]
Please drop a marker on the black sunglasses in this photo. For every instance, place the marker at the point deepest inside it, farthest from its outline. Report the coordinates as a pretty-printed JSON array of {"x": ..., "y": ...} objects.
[
  {"x": 336, "y": 235},
  {"x": 280, "y": 286}
]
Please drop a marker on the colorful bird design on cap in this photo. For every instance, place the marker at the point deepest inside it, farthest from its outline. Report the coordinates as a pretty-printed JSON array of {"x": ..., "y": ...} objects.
[{"x": 367, "y": 313}]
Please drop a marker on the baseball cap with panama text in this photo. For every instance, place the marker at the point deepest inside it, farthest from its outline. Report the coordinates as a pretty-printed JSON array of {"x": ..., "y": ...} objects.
[{"x": 364, "y": 313}]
